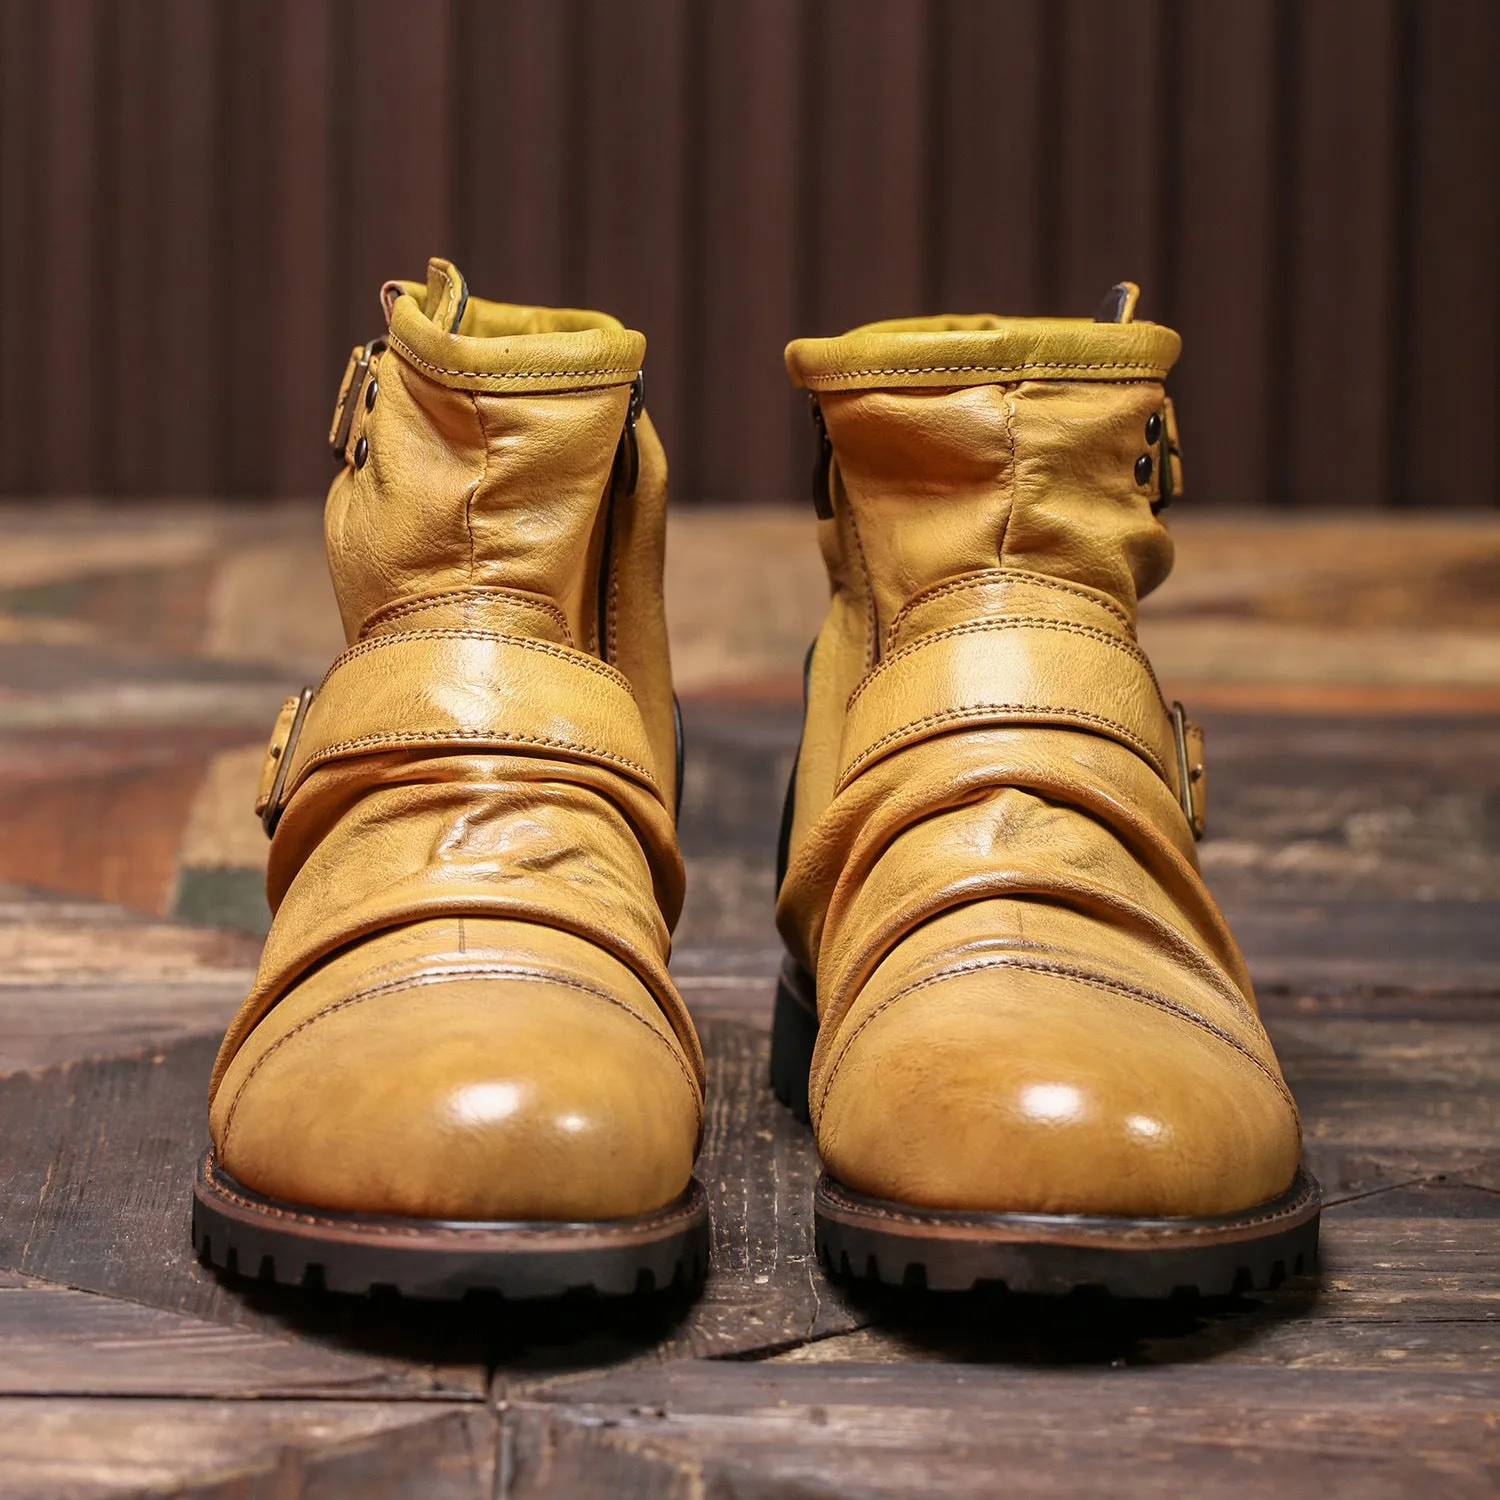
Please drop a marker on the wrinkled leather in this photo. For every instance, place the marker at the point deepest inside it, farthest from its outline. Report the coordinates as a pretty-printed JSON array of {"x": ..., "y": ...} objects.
[
  {"x": 463, "y": 1008},
  {"x": 1027, "y": 999}
]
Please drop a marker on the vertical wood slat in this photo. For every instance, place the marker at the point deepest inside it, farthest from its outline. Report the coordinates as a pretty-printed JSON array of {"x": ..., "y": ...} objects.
[
  {"x": 1225, "y": 298},
  {"x": 297, "y": 301},
  {"x": 514, "y": 147},
  {"x": 752, "y": 435},
  {"x": 1449, "y": 395},
  {"x": 211, "y": 195},
  {"x": 870, "y": 75},
  {"x": 1342, "y": 303},
  {"x": 131, "y": 431},
  {"x": 21, "y": 262},
  {"x": 633, "y": 221},
  {"x": 179, "y": 295},
  {"x": 1109, "y": 156},
  {"x": 242, "y": 68},
  {"x": 988, "y": 253},
  {"x": 397, "y": 164},
  {"x": 70, "y": 249}
]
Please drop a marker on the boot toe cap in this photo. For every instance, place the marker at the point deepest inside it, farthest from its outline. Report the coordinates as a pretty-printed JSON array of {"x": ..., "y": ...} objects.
[
  {"x": 495, "y": 1099},
  {"x": 1001, "y": 1092}
]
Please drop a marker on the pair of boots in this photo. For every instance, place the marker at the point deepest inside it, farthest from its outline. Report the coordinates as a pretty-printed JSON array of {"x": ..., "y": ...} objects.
[{"x": 1022, "y": 1032}]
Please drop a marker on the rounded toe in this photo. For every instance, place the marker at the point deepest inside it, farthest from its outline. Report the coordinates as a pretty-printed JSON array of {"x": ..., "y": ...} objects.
[
  {"x": 1035, "y": 1093},
  {"x": 491, "y": 1099}
]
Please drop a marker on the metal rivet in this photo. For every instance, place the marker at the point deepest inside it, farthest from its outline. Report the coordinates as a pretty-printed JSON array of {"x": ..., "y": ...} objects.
[
  {"x": 1153, "y": 426},
  {"x": 1142, "y": 467},
  {"x": 362, "y": 452},
  {"x": 373, "y": 388}
]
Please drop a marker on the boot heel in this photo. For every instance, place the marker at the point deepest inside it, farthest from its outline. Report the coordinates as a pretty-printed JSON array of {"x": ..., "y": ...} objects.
[{"x": 794, "y": 1030}]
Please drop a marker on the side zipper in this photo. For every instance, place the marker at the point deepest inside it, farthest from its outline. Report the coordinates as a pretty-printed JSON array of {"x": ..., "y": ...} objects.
[
  {"x": 823, "y": 463},
  {"x": 623, "y": 477}
]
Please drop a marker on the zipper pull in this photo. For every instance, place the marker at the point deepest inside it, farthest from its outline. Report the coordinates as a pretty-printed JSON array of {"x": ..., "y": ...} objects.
[
  {"x": 823, "y": 464},
  {"x": 628, "y": 454}
]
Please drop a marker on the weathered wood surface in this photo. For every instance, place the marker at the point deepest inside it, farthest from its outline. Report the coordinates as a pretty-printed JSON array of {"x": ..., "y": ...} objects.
[
  {"x": 1356, "y": 853},
  {"x": 243, "y": 1450},
  {"x": 806, "y": 1430}
]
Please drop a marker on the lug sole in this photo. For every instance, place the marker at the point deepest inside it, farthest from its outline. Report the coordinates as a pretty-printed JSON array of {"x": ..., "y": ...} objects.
[
  {"x": 238, "y": 1231},
  {"x": 864, "y": 1238},
  {"x": 860, "y": 1238}
]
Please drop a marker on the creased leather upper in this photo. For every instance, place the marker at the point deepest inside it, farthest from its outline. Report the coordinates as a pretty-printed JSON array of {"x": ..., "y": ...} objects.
[
  {"x": 1027, "y": 998},
  {"x": 476, "y": 864}
]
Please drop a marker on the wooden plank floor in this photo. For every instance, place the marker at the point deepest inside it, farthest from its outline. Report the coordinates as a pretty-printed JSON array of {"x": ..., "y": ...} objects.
[{"x": 1355, "y": 843}]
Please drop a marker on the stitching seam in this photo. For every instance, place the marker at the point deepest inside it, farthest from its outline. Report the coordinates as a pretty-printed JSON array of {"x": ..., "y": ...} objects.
[
  {"x": 996, "y": 577},
  {"x": 426, "y": 1231},
  {"x": 872, "y": 612},
  {"x": 1193, "y": 1231},
  {"x": 1063, "y": 971},
  {"x": 477, "y": 971},
  {"x": 396, "y": 342},
  {"x": 965, "y": 712},
  {"x": 453, "y": 596},
  {"x": 547, "y": 648},
  {"x": 1036, "y": 364},
  {"x": 394, "y": 739},
  {"x": 1006, "y": 622}
]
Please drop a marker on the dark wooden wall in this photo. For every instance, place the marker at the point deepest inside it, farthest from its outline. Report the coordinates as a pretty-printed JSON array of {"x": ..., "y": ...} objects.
[{"x": 199, "y": 199}]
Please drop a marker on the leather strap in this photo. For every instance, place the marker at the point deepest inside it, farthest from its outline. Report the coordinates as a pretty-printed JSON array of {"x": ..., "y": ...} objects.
[
  {"x": 469, "y": 690},
  {"x": 1017, "y": 670}
]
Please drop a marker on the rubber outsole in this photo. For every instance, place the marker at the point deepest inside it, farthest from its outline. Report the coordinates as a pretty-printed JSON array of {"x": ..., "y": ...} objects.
[
  {"x": 244, "y": 1234},
  {"x": 860, "y": 1238},
  {"x": 863, "y": 1238}
]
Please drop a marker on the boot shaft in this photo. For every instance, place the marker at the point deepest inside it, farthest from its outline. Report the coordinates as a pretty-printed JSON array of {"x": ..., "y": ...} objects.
[
  {"x": 965, "y": 444},
  {"x": 975, "y": 465},
  {"x": 500, "y": 474}
]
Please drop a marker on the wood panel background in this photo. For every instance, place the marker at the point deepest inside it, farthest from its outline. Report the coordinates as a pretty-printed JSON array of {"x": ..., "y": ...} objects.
[{"x": 199, "y": 199}]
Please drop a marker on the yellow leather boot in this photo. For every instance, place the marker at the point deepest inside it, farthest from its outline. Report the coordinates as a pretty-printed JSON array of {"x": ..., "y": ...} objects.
[
  {"x": 1030, "y": 1052},
  {"x": 463, "y": 1063}
]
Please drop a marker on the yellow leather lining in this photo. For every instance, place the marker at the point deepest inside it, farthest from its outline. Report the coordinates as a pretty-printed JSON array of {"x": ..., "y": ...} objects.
[
  {"x": 985, "y": 350},
  {"x": 596, "y": 352}
]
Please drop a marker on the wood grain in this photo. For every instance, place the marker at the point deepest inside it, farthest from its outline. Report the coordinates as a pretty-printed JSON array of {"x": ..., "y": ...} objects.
[
  {"x": 869, "y": 137},
  {"x": 212, "y": 196},
  {"x": 1357, "y": 857},
  {"x": 1110, "y": 160},
  {"x": 1224, "y": 300},
  {"x": 1338, "y": 407},
  {"x": 877, "y": 1430},
  {"x": 248, "y": 1450},
  {"x": 749, "y": 175},
  {"x": 1454, "y": 227},
  {"x": 513, "y": 160},
  {"x": 990, "y": 245},
  {"x": 59, "y": 1341}
]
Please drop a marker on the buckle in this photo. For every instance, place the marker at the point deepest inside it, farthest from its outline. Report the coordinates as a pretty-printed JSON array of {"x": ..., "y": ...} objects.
[
  {"x": 348, "y": 398},
  {"x": 284, "y": 735},
  {"x": 1192, "y": 776}
]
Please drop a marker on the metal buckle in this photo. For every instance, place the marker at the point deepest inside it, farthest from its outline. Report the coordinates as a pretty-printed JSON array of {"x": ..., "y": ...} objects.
[
  {"x": 282, "y": 754},
  {"x": 1190, "y": 770},
  {"x": 348, "y": 402}
]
